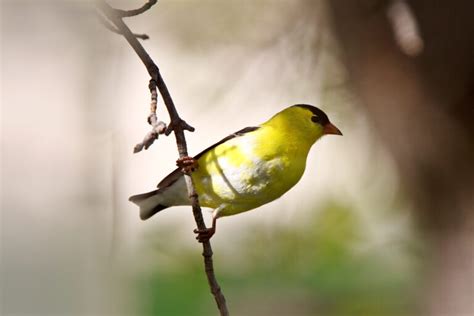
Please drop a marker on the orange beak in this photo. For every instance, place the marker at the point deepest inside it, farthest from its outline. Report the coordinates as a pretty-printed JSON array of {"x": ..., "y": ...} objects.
[{"x": 331, "y": 129}]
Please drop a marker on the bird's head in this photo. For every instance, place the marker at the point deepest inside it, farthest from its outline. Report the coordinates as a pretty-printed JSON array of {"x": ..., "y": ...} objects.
[{"x": 305, "y": 121}]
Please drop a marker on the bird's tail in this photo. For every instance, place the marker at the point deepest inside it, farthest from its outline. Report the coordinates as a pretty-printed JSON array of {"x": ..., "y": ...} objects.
[{"x": 149, "y": 203}]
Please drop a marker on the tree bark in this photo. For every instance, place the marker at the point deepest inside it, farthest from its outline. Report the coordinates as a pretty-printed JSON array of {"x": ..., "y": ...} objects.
[{"x": 423, "y": 108}]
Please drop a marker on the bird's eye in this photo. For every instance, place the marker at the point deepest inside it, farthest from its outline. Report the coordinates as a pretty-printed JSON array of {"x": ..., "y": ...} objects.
[{"x": 316, "y": 119}]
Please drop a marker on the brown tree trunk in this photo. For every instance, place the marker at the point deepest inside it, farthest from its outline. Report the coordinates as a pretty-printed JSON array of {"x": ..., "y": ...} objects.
[{"x": 423, "y": 107}]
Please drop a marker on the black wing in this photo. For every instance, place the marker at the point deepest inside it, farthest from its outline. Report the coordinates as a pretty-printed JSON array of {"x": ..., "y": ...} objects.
[
  {"x": 234, "y": 135},
  {"x": 176, "y": 174}
]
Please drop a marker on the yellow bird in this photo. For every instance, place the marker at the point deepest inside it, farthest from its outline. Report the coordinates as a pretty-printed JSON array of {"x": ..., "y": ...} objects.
[{"x": 245, "y": 170}]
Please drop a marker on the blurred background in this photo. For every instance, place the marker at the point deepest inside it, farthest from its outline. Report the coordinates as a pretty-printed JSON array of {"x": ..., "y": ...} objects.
[{"x": 382, "y": 223}]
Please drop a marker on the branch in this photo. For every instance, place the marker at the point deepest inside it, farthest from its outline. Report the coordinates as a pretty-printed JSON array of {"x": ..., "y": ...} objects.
[
  {"x": 111, "y": 28},
  {"x": 129, "y": 13},
  {"x": 157, "y": 127},
  {"x": 405, "y": 27},
  {"x": 177, "y": 125}
]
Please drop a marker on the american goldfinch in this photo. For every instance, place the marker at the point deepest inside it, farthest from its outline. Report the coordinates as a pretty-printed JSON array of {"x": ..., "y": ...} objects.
[{"x": 245, "y": 170}]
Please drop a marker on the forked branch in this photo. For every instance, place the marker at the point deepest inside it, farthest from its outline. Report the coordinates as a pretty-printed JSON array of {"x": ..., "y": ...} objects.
[
  {"x": 177, "y": 125},
  {"x": 111, "y": 28}
]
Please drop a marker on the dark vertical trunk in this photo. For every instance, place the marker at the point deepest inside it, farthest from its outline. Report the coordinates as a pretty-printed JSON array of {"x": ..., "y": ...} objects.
[{"x": 423, "y": 107}]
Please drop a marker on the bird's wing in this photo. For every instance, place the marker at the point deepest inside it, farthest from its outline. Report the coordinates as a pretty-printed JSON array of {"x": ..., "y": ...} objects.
[
  {"x": 170, "y": 179},
  {"x": 234, "y": 135},
  {"x": 176, "y": 174}
]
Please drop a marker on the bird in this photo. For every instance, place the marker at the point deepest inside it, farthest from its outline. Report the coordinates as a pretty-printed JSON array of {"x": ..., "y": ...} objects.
[{"x": 249, "y": 168}]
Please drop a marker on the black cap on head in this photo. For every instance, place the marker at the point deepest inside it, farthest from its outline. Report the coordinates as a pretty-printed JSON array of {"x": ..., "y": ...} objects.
[{"x": 321, "y": 117}]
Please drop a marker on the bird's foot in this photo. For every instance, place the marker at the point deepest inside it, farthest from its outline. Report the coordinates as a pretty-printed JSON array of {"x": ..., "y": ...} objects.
[
  {"x": 204, "y": 234},
  {"x": 187, "y": 164}
]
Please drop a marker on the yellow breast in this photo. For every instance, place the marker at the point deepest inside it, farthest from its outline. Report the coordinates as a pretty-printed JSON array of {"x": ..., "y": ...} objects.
[{"x": 249, "y": 170}]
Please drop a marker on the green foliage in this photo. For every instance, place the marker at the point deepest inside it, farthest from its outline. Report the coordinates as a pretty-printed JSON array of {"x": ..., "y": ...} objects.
[{"x": 309, "y": 270}]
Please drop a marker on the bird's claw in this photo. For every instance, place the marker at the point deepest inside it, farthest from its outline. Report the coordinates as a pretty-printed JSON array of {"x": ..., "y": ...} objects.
[
  {"x": 187, "y": 164},
  {"x": 204, "y": 234}
]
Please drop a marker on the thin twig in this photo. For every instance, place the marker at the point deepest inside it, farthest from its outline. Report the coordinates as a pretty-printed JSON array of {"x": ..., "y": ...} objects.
[
  {"x": 111, "y": 28},
  {"x": 129, "y": 13},
  {"x": 157, "y": 127},
  {"x": 178, "y": 126}
]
